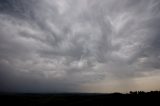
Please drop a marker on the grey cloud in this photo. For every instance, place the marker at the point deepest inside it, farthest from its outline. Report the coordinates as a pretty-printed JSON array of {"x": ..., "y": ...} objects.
[{"x": 59, "y": 43}]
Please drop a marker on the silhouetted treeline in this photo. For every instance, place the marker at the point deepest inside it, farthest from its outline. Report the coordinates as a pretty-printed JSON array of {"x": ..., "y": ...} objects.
[
  {"x": 82, "y": 99},
  {"x": 144, "y": 93}
]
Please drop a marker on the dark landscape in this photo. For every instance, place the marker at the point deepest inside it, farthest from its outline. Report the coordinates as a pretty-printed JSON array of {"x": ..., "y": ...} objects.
[{"x": 69, "y": 99}]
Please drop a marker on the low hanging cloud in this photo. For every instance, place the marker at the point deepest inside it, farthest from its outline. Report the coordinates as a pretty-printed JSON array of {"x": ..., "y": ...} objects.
[{"x": 66, "y": 45}]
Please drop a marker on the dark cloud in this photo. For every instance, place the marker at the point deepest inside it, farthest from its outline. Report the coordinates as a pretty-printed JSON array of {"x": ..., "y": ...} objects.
[
  {"x": 63, "y": 46},
  {"x": 18, "y": 8}
]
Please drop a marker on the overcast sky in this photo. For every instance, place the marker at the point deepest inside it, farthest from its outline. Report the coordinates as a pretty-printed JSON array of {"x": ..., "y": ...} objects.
[{"x": 79, "y": 45}]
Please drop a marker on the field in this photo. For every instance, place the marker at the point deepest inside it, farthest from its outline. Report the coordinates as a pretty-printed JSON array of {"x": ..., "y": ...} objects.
[{"x": 73, "y": 99}]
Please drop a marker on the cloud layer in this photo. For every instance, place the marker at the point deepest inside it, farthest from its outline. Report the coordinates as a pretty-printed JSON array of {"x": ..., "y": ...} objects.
[{"x": 79, "y": 45}]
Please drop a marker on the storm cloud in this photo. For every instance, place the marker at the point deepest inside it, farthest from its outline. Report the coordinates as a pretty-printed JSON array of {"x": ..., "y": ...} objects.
[{"x": 79, "y": 45}]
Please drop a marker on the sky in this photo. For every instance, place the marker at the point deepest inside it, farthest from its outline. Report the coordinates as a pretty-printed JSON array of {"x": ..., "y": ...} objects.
[{"x": 97, "y": 46}]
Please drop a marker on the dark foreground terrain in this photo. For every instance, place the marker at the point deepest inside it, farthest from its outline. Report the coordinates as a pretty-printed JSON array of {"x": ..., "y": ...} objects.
[{"x": 74, "y": 99}]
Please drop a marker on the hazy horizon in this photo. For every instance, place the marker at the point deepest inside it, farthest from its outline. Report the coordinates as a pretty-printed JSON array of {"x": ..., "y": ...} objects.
[{"x": 97, "y": 46}]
